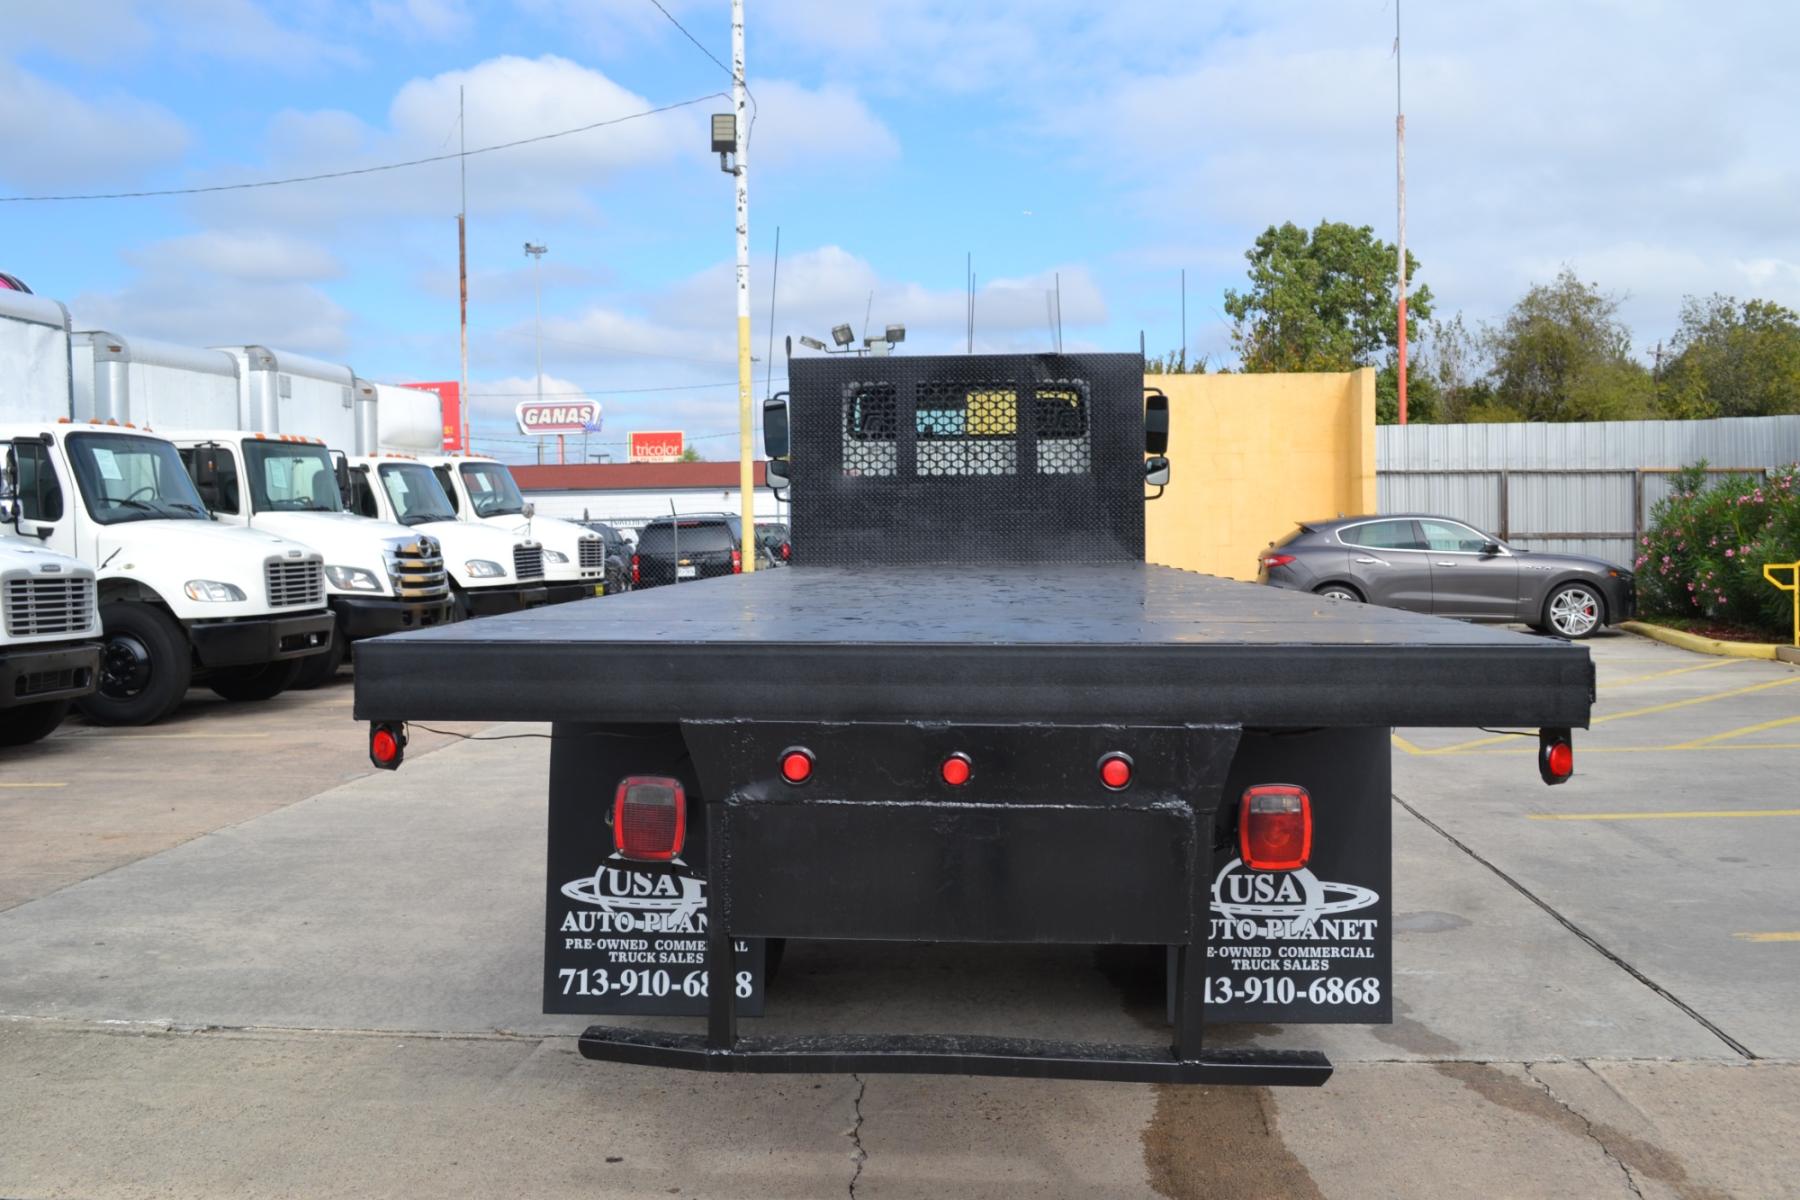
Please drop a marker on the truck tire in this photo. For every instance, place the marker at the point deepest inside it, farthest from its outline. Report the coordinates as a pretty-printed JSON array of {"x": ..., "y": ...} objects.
[
  {"x": 316, "y": 669},
  {"x": 145, "y": 666},
  {"x": 263, "y": 682},
  {"x": 29, "y": 722}
]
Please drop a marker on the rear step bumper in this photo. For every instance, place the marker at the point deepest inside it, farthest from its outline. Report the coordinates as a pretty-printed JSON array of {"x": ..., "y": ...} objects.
[{"x": 867, "y": 1054}]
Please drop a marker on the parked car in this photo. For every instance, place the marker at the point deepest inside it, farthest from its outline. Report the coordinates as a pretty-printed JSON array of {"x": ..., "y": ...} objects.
[
  {"x": 691, "y": 546},
  {"x": 618, "y": 556},
  {"x": 773, "y": 537},
  {"x": 1437, "y": 565}
]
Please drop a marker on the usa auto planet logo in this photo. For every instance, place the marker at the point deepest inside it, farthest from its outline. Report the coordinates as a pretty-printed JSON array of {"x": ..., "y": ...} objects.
[
  {"x": 630, "y": 901},
  {"x": 1274, "y": 904}
]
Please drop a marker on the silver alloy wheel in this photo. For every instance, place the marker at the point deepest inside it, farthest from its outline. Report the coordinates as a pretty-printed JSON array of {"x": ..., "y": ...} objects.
[
  {"x": 1574, "y": 611},
  {"x": 1340, "y": 593}
]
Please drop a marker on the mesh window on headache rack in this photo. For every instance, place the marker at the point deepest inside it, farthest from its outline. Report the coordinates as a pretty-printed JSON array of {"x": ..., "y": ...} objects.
[
  {"x": 1060, "y": 419},
  {"x": 871, "y": 425},
  {"x": 967, "y": 429}
]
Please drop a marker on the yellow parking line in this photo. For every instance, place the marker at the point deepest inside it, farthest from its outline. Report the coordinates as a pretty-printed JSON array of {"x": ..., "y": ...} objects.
[
  {"x": 1732, "y": 733},
  {"x": 1665, "y": 816},
  {"x": 22, "y": 786},
  {"x": 1705, "y": 666},
  {"x": 1402, "y": 744},
  {"x": 1635, "y": 712},
  {"x": 1768, "y": 937}
]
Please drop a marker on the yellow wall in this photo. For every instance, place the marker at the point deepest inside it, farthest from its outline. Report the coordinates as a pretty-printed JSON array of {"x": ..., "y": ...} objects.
[{"x": 1254, "y": 455}]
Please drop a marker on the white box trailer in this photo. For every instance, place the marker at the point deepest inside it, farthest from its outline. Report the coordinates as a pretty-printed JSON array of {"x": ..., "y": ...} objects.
[
  {"x": 283, "y": 392},
  {"x": 181, "y": 597},
  {"x": 154, "y": 384}
]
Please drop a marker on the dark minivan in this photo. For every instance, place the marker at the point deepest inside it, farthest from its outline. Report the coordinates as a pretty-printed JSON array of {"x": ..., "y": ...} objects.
[{"x": 679, "y": 549}]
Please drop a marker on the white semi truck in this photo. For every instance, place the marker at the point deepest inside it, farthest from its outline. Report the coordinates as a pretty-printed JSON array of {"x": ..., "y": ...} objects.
[
  {"x": 492, "y": 570},
  {"x": 252, "y": 426},
  {"x": 49, "y": 632}
]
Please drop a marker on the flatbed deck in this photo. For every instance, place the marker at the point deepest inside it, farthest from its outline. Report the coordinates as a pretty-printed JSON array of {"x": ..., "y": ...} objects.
[{"x": 1127, "y": 641}]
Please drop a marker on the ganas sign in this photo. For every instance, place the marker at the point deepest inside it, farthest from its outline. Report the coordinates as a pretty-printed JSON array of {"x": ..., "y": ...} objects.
[{"x": 559, "y": 416}]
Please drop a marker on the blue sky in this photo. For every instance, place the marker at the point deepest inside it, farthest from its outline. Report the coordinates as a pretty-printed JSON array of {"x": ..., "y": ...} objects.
[{"x": 1651, "y": 146}]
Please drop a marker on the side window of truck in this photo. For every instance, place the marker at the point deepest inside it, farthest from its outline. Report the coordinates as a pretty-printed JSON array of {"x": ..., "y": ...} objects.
[
  {"x": 449, "y": 485},
  {"x": 222, "y": 496},
  {"x": 362, "y": 496},
  {"x": 40, "y": 494}
]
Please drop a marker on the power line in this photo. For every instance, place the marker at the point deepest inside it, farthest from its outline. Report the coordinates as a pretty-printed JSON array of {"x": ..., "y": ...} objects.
[
  {"x": 701, "y": 46},
  {"x": 394, "y": 166}
]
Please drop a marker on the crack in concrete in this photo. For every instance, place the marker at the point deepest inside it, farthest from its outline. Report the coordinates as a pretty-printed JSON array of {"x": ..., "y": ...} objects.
[
  {"x": 1587, "y": 1126},
  {"x": 862, "y": 1155}
]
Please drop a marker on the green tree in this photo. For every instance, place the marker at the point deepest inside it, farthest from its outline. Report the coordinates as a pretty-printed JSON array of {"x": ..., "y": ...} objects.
[
  {"x": 690, "y": 454},
  {"x": 1175, "y": 362},
  {"x": 1562, "y": 354},
  {"x": 1320, "y": 301},
  {"x": 1733, "y": 360}
]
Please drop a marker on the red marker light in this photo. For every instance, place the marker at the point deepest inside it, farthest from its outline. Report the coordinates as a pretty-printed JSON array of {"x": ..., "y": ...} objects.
[
  {"x": 1556, "y": 756},
  {"x": 1275, "y": 827},
  {"x": 957, "y": 769},
  {"x": 796, "y": 765},
  {"x": 387, "y": 745},
  {"x": 1115, "y": 771}
]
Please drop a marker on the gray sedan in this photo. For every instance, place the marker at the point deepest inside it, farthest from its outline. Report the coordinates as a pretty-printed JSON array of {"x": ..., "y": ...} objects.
[{"x": 1436, "y": 565}]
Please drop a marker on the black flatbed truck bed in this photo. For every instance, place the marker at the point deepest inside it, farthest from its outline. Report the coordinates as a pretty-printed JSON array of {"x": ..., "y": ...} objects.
[{"x": 937, "y": 612}]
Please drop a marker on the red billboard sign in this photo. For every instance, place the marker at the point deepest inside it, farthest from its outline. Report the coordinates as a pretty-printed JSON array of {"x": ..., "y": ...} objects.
[
  {"x": 558, "y": 416},
  {"x": 449, "y": 396},
  {"x": 654, "y": 446}
]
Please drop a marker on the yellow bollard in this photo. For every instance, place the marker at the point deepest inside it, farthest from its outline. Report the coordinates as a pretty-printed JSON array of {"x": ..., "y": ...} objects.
[{"x": 1792, "y": 585}]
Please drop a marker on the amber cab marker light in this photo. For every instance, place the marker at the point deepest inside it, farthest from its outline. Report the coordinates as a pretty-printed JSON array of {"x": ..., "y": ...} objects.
[{"x": 1275, "y": 827}]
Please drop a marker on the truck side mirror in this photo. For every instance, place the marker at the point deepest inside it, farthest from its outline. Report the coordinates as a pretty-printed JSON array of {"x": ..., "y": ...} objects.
[
  {"x": 340, "y": 470},
  {"x": 529, "y": 511},
  {"x": 1156, "y": 475},
  {"x": 206, "y": 468},
  {"x": 1156, "y": 422},
  {"x": 775, "y": 427},
  {"x": 777, "y": 475}
]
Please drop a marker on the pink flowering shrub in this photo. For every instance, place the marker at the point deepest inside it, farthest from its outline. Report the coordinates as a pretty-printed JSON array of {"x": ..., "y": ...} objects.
[{"x": 1704, "y": 554}]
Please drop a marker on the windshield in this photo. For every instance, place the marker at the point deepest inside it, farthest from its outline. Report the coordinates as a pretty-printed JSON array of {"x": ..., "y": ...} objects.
[
  {"x": 291, "y": 477},
  {"x": 492, "y": 491},
  {"x": 415, "y": 493},
  {"x": 125, "y": 478}
]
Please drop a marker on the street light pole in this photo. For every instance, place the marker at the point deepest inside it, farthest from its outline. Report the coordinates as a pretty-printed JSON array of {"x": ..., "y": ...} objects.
[
  {"x": 537, "y": 286},
  {"x": 746, "y": 467}
]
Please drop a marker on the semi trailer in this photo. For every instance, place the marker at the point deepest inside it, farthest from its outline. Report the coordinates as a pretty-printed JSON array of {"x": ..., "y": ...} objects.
[{"x": 940, "y": 726}]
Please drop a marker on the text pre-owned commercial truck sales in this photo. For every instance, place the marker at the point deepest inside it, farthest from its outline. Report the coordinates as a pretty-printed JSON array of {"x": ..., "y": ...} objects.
[
  {"x": 181, "y": 597},
  {"x": 253, "y": 427},
  {"x": 940, "y": 726}
]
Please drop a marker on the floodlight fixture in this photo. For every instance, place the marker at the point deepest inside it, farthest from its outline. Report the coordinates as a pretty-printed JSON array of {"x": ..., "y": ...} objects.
[
  {"x": 811, "y": 343},
  {"x": 724, "y": 133},
  {"x": 843, "y": 335},
  {"x": 895, "y": 334}
]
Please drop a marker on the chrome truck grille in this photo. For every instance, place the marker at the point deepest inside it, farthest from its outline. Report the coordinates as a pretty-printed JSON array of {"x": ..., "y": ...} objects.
[
  {"x": 593, "y": 554},
  {"x": 417, "y": 569},
  {"x": 36, "y": 607},
  {"x": 295, "y": 582},
  {"x": 528, "y": 561}
]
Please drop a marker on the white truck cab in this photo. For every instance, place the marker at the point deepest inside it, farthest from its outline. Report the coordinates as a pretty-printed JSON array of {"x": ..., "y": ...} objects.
[
  {"x": 482, "y": 491},
  {"x": 179, "y": 593},
  {"x": 49, "y": 633},
  {"x": 490, "y": 571}
]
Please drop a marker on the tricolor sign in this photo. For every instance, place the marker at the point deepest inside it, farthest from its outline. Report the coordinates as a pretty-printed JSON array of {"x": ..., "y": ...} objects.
[
  {"x": 559, "y": 416},
  {"x": 658, "y": 446}
]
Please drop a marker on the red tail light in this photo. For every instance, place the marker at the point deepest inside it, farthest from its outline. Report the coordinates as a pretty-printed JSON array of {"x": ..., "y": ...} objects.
[
  {"x": 387, "y": 745},
  {"x": 1556, "y": 756},
  {"x": 796, "y": 764},
  {"x": 737, "y": 562},
  {"x": 787, "y": 552},
  {"x": 1115, "y": 771},
  {"x": 1271, "y": 561},
  {"x": 649, "y": 817},
  {"x": 957, "y": 769},
  {"x": 634, "y": 569},
  {"x": 1275, "y": 827}
]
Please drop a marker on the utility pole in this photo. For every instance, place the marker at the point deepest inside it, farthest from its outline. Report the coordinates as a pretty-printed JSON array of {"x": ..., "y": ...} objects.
[
  {"x": 537, "y": 286},
  {"x": 462, "y": 274},
  {"x": 1400, "y": 178},
  {"x": 741, "y": 172}
]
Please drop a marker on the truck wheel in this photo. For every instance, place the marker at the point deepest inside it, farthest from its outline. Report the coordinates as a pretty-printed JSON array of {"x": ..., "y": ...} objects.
[
  {"x": 145, "y": 666},
  {"x": 1574, "y": 610},
  {"x": 316, "y": 669},
  {"x": 29, "y": 722},
  {"x": 264, "y": 682}
]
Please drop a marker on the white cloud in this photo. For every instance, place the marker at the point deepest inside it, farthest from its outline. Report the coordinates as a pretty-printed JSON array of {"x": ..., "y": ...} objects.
[
  {"x": 209, "y": 311},
  {"x": 250, "y": 255},
  {"x": 431, "y": 19},
  {"x": 53, "y": 138},
  {"x": 831, "y": 124}
]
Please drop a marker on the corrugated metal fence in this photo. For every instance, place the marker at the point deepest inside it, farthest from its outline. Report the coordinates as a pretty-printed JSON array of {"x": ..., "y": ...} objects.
[{"x": 1582, "y": 488}]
